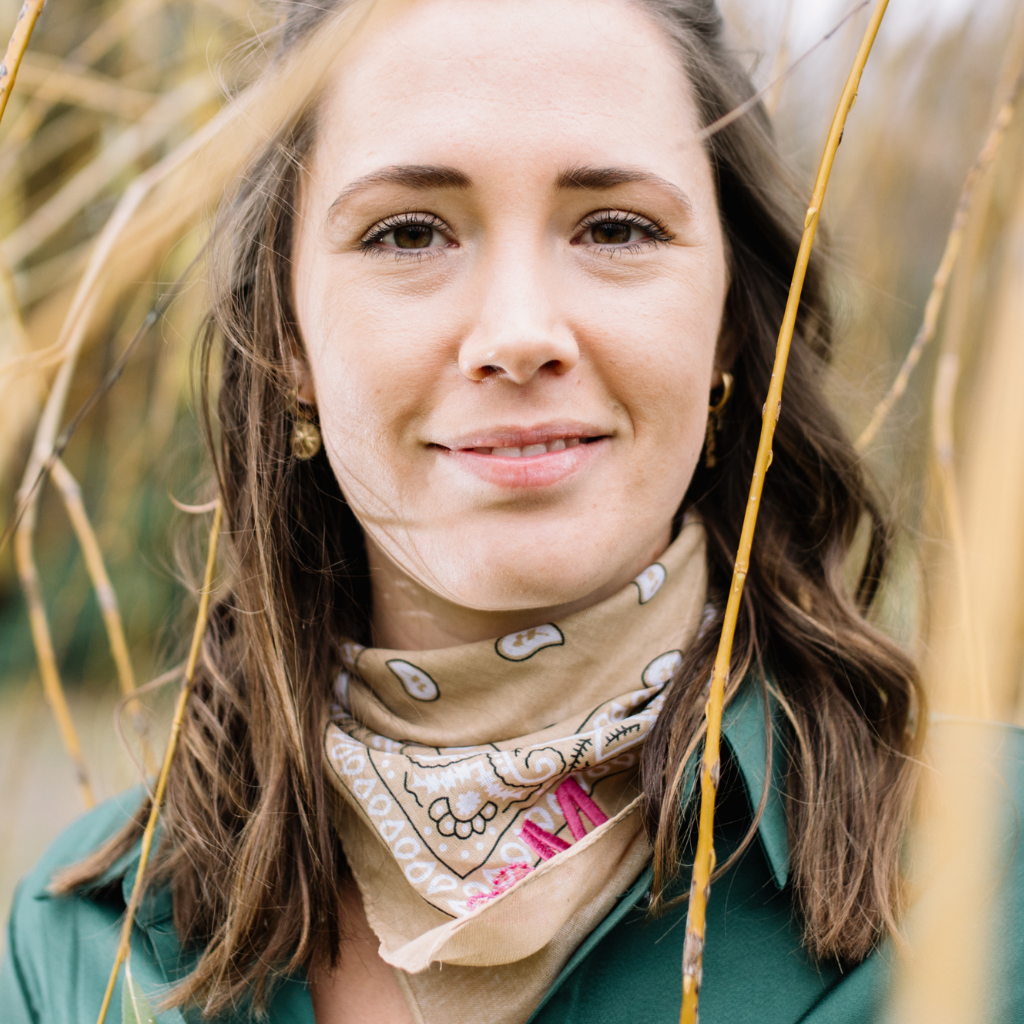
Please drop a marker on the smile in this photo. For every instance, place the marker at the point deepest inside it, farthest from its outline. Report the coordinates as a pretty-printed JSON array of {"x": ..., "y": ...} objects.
[
  {"x": 528, "y": 458},
  {"x": 530, "y": 450}
]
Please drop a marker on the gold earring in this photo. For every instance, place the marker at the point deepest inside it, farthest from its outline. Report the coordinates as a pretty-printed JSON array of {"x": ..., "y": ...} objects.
[
  {"x": 714, "y": 415},
  {"x": 305, "y": 440}
]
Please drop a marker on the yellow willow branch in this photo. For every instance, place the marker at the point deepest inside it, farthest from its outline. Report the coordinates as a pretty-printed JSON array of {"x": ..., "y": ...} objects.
[
  {"x": 704, "y": 859},
  {"x": 106, "y": 597},
  {"x": 165, "y": 768},
  {"x": 933, "y": 306},
  {"x": 27, "y": 17}
]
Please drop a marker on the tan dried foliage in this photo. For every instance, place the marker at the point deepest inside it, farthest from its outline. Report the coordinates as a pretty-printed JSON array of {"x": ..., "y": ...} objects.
[{"x": 121, "y": 132}]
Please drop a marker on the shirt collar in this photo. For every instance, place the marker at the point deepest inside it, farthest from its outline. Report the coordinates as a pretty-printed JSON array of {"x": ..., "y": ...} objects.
[
  {"x": 744, "y": 730},
  {"x": 745, "y": 737}
]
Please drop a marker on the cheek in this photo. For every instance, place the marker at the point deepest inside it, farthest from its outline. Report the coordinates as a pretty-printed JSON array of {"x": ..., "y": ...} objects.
[
  {"x": 655, "y": 345},
  {"x": 370, "y": 395}
]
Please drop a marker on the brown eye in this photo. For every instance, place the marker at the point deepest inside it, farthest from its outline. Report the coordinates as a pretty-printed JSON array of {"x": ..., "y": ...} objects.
[
  {"x": 611, "y": 232},
  {"x": 413, "y": 236}
]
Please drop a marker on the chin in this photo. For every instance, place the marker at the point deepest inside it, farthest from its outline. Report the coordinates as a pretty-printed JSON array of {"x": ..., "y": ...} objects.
[{"x": 538, "y": 578}]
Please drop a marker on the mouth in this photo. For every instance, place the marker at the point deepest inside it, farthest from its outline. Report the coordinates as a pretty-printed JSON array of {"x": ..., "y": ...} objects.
[
  {"x": 519, "y": 458},
  {"x": 529, "y": 451}
]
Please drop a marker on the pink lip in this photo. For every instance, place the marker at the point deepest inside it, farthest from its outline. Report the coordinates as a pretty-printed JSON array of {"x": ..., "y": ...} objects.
[
  {"x": 520, "y": 437},
  {"x": 527, "y": 472}
]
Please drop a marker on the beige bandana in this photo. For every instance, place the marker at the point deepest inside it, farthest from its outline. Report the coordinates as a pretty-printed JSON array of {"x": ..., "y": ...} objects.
[{"x": 490, "y": 809}]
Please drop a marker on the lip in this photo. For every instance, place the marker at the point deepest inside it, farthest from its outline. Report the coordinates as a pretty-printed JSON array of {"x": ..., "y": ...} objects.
[
  {"x": 520, "y": 437},
  {"x": 526, "y": 472}
]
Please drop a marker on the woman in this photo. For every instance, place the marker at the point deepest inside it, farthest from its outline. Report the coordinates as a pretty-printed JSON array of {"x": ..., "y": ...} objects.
[{"x": 494, "y": 323}]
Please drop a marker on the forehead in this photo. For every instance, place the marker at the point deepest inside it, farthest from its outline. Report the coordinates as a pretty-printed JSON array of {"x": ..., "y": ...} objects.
[{"x": 439, "y": 81}]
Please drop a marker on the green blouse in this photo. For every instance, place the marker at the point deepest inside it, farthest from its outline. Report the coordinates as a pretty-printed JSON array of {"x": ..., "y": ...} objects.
[{"x": 59, "y": 949}]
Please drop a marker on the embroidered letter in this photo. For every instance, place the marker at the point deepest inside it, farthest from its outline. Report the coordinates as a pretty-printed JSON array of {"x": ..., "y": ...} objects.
[
  {"x": 506, "y": 878},
  {"x": 544, "y": 844},
  {"x": 572, "y": 800}
]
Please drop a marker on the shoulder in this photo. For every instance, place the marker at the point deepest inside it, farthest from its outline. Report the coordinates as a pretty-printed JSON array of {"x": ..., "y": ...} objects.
[
  {"x": 51, "y": 941},
  {"x": 84, "y": 835}
]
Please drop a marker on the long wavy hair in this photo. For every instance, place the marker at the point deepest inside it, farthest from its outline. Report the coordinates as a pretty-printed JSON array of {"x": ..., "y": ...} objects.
[{"x": 248, "y": 847}]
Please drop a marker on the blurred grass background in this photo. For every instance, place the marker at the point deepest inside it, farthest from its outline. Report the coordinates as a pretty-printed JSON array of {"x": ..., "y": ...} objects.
[{"x": 109, "y": 86}]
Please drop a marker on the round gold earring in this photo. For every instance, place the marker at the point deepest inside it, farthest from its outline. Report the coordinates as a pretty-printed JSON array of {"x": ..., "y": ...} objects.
[
  {"x": 305, "y": 440},
  {"x": 714, "y": 414}
]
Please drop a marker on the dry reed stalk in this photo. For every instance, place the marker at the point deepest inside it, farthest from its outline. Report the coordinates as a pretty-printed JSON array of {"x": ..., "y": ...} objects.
[
  {"x": 967, "y": 657},
  {"x": 777, "y": 77},
  {"x": 957, "y": 848},
  {"x": 28, "y": 576},
  {"x": 777, "y": 83},
  {"x": 106, "y": 597},
  {"x": 47, "y": 277},
  {"x": 19, "y": 400},
  {"x": 27, "y": 17},
  {"x": 165, "y": 768},
  {"x": 192, "y": 177},
  {"x": 51, "y": 80},
  {"x": 162, "y": 118},
  {"x": 949, "y": 257},
  {"x": 90, "y": 50},
  {"x": 704, "y": 858},
  {"x": 975, "y": 630},
  {"x": 941, "y": 978}
]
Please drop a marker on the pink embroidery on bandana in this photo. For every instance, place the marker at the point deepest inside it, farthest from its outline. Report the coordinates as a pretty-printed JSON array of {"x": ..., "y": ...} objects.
[
  {"x": 504, "y": 880},
  {"x": 543, "y": 843},
  {"x": 572, "y": 800}
]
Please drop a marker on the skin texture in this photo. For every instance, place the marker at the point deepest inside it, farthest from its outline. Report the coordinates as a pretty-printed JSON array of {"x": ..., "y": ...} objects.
[{"x": 509, "y": 283}]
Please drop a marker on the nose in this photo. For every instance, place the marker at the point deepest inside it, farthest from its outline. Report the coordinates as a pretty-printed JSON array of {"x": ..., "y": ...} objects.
[{"x": 518, "y": 333}]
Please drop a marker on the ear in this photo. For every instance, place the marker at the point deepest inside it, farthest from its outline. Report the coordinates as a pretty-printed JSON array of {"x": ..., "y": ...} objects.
[
  {"x": 302, "y": 378},
  {"x": 725, "y": 353}
]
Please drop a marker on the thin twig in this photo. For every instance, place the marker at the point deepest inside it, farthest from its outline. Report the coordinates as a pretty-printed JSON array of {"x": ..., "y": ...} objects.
[
  {"x": 144, "y": 771},
  {"x": 165, "y": 768},
  {"x": 27, "y": 17},
  {"x": 776, "y": 83},
  {"x": 940, "y": 282},
  {"x": 106, "y": 597},
  {"x": 704, "y": 859}
]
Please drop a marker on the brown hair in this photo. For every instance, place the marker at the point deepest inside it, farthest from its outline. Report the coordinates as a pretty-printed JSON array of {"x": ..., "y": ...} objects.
[{"x": 248, "y": 846}]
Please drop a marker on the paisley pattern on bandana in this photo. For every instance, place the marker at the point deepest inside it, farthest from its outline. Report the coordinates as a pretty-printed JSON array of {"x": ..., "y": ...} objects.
[
  {"x": 453, "y": 816},
  {"x": 487, "y": 795}
]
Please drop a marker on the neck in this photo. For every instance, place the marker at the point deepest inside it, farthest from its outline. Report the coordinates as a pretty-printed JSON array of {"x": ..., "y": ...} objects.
[{"x": 407, "y": 616}]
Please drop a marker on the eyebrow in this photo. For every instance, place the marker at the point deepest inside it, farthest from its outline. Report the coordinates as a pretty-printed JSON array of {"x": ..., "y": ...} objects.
[
  {"x": 599, "y": 179},
  {"x": 429, "y": 177},
  {"x": 421, "y": 177}
]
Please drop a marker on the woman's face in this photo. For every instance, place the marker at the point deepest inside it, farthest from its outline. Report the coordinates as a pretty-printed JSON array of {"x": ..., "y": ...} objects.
[{"x": 509, "y": 275}]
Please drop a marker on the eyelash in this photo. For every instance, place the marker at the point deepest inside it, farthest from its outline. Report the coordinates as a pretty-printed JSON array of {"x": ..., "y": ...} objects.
[
  {"x": 658, "y": 234},
  {"x": 370, "y": 242}
]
